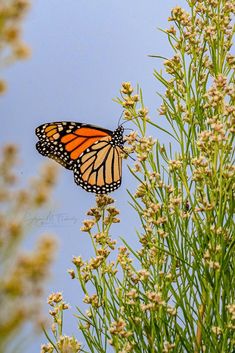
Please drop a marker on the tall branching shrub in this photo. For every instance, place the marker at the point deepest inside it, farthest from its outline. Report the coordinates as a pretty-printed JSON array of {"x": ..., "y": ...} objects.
[{"x": 176, "y": 293}]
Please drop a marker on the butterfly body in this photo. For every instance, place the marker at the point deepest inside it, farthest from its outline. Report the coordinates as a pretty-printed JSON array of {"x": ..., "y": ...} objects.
[{"x": 93, "y": 153}]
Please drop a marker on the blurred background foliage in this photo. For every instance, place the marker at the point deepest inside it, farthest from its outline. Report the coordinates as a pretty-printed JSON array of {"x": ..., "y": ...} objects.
[
  {"x": 23, "y": 273},
  {"x": 12, "y": 47}
]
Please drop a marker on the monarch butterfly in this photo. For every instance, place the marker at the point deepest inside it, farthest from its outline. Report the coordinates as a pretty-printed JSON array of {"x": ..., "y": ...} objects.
[{"x": 93, "y": 153}]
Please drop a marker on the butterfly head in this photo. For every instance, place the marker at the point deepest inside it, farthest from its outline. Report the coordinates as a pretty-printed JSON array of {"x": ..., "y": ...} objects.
[{"x": 117, "y": 136}]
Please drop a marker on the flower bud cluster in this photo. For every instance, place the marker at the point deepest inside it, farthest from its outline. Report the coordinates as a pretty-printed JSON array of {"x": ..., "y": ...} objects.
[
  {"x": 129, "y": 100},
  {"x": 118, "y": 328},
  {"x": 174, "y": 65},
  {"x": 231, "y": 310},
  {"x": 64, "y": 344},
  {"x": 102, "y": 241},
  {"x": 68, "y": 344},
  {"x": 55, "y": 300},
  {"x": 93, "y": 300},
  {"x": 168, "y": 347},
  {"x": 124, "y": 259}
]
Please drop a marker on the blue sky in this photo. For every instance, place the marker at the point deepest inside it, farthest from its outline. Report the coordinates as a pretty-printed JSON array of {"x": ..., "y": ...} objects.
[{"x": 81, "y": 53}]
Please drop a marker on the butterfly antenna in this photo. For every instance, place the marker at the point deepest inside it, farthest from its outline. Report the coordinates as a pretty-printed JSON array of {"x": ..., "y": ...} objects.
[
  {"x": 120, "y": 118},
  {"x": 127, "y": 121}
]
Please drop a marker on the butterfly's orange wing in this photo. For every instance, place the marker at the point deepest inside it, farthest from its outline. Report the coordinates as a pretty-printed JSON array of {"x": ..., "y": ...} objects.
[
  {"x": 65, "y": 141},
  {"x": 93, "y": 153}
]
